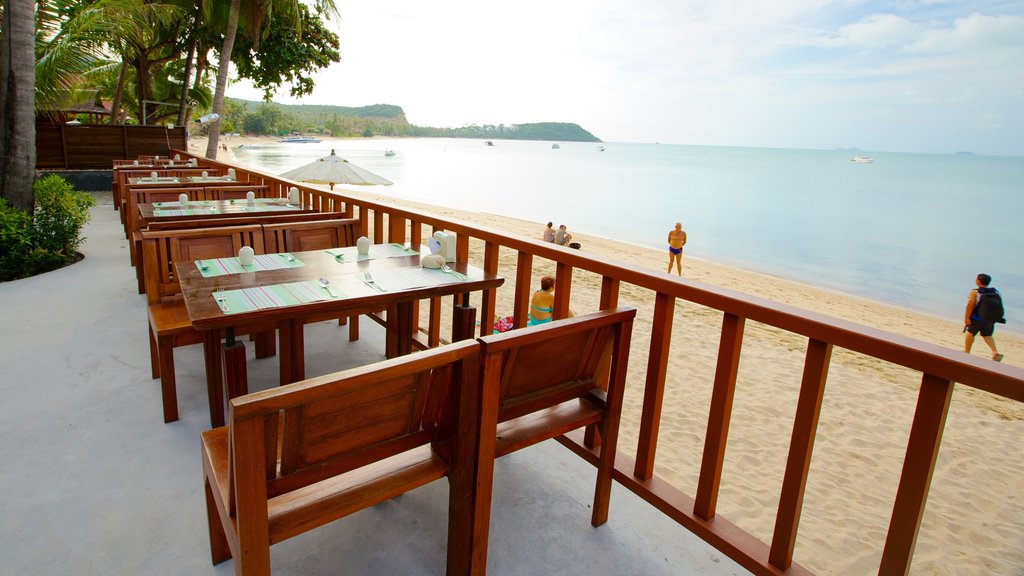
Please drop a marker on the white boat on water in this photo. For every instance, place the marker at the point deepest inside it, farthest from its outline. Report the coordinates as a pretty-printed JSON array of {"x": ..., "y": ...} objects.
[
  {"x": 862, "y": 159},
  {"x": 389, "y": 153},
  {"x": 555, "y": 146},
  {"x": 299, "y": 140}
]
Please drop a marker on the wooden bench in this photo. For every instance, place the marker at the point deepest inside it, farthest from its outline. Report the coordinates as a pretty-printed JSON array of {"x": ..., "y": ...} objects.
[
  {"x": 543, "y": 381},
  {"x": 302, "y": 455},
  {"x": 169, "y": 323}
]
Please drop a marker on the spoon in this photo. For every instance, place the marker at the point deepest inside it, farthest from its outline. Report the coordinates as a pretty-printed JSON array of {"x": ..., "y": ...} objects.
[
  {"x": 203, "y": 265},
  {"x": 449, "y": 270},
  {"x": 326, "y": 286}
]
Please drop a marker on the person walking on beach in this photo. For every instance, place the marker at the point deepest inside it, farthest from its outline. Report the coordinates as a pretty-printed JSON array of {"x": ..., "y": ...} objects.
[
  {"x": 549, "y": 232},
  {"x": 984, "y": 309},
  {"x": 676, "y": 241}
]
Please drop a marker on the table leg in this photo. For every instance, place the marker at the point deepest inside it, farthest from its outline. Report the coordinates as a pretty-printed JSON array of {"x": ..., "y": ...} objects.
[
  {"x": 292, "y": 354},
  {"x": 236, "y": 379},
  {"x": 214, "y": 383},
  {"x": 463, "y": 322}
]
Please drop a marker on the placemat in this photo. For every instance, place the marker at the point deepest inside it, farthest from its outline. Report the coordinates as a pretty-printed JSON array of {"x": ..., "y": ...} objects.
[
  {"x": 183, "y": 211},
  {"x": 224, "y": 266},
  {"x": 406, "y": 278},
  {"x": 274, "y": 296}
]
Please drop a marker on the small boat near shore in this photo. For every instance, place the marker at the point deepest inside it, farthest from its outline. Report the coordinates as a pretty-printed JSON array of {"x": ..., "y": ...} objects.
[
  {"x": 389, "y": 153},
  {"x": 299, "y": 140},
  {"x": 555, "y": 146},
  {"x": 862, "y": 159}
]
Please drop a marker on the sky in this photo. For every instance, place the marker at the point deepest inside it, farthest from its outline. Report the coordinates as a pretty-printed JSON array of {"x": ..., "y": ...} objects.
[{"x": 934, "y": 76}]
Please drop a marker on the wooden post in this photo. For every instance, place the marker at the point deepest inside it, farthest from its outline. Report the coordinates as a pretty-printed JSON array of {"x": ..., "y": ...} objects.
[
  {"x": 805, "y": 426},
  {"x": 654, "y": 389}
]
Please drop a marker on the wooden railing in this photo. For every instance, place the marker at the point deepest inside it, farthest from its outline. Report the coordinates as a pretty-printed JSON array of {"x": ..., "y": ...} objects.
[
  {"x": 939, "y": 368},
  {"x": 95, "y": 146}
]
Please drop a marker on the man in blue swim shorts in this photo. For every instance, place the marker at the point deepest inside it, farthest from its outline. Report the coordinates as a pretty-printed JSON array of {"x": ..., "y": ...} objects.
[{"x": 676, "y": 241}]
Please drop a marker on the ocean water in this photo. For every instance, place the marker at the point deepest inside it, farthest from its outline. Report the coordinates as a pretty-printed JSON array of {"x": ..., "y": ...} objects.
[{"x": 908, "y": 229}]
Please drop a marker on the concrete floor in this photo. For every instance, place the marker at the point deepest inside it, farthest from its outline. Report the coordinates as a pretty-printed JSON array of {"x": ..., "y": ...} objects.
[{"x": 94, "y": 483}]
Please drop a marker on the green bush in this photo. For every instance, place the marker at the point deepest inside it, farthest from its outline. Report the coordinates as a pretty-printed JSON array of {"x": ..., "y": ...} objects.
[{"x": 50, "y": 237}]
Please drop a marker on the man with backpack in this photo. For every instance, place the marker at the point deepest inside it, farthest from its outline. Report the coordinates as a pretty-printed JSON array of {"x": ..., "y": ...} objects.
[{"x": 984, "y": 309}]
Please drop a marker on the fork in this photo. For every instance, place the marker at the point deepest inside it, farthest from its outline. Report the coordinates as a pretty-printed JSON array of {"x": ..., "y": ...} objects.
[
  {"x": 222, "y": 301},
  {"x": 369, "y": 280}
]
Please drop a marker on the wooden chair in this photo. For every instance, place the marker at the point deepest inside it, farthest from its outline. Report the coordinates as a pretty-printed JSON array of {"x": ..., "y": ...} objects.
[
  {"x": 541, "y": 382},
  {"x": 302, "y": 455},
  {"x": 236, "y": 192},
  {"x": 169, "y": 324},
  {"x": 133, "y": 220},
  {"x": 315, "y": 235}
]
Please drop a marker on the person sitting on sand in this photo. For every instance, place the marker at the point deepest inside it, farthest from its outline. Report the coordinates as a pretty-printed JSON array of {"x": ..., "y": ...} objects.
[
  {"x": 542, "y": 304},
  {"x": 676, "y": 241},
  {"x": 549, "y": 233},
  {"x": 562, "y": 237}
]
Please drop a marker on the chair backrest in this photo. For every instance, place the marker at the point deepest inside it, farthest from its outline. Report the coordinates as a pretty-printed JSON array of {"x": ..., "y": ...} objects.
[
  {"x": 537, "y": 368},
  {"x": 236, "y": 192},
  {"x": 316, "y": 235},
  {"x": 151, "y": 195},
  {"x": 162, "y": 248},
  {"x": 329, "y": 425}
]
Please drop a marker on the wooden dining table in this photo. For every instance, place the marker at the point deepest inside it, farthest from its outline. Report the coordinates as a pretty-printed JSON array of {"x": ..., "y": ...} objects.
[
  {"x": 206, "y": 209},
  {"x": 285, "y": 291}
]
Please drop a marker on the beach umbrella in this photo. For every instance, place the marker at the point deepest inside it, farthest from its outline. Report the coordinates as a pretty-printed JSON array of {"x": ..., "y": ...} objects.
[{"x": 333, "y": 170}]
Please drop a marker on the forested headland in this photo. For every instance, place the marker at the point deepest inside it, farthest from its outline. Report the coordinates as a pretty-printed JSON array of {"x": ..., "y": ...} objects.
[{"x": 269, "y": 118}]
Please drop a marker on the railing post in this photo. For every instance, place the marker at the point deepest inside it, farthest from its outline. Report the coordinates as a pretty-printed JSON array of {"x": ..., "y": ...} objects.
[
  {"x": 916, "y": 478},
  {"x": 609, "y": 293},
  {"x": 378, "y": 227},
  {"x": 654, "y": 389},
  {"x": 521, "y": 303},
  {"x": 805, "y": 426},
  {"x": 396, "y": 229},
  {"x": 487, "y": 301},
  {"x": 563, "y": 290},
  {"x": 718, "y": 420}
]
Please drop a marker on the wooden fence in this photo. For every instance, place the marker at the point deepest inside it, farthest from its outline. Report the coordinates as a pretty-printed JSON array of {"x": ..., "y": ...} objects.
[
  {"x": 96, "y": 146},
  {"x": 939, "y": 368}
]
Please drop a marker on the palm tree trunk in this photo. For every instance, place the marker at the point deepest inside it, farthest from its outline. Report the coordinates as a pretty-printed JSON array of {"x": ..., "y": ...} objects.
[
  {"x": 222, "y": 78},
  {"x": 17, "y": 171},
  {"x": 115, "y": 105},
  {"x": 183, "y": 105}
]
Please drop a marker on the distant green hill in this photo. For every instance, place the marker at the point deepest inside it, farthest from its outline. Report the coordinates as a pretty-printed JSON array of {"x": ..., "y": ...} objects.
[{"x": 381, "y": 120}]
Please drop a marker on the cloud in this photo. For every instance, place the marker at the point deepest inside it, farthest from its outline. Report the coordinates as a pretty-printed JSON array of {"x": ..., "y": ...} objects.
[
  {"x": 975, "y": 34},
  {"x": 876, "y": 32}
]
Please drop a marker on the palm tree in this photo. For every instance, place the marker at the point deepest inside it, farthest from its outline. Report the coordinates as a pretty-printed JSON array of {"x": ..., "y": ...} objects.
[
  {"x": 17, "y": 104},
  {"x": 258, "y": 12}
]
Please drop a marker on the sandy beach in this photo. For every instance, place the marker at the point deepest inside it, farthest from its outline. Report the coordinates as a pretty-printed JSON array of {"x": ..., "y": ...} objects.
[{"x": 974, "y": 521}]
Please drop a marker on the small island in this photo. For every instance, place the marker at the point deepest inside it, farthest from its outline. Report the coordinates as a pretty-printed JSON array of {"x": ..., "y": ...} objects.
[{"x": 270, "y": 118}]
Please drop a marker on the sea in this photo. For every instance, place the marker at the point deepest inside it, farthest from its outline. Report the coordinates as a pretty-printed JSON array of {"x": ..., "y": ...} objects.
[{"x": 912, "y": 230}]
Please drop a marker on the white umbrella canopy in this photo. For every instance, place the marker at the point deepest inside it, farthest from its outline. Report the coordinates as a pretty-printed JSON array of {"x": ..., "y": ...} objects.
[{"x": 333, "y": 170}]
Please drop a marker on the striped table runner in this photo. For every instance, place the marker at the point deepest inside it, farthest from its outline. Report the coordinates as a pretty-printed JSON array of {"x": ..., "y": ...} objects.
[{"x": 377, "y": 251}]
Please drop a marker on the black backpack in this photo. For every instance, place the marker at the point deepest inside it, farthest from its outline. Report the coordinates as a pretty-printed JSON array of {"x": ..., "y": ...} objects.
[{"x": 990, "y": 305}]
